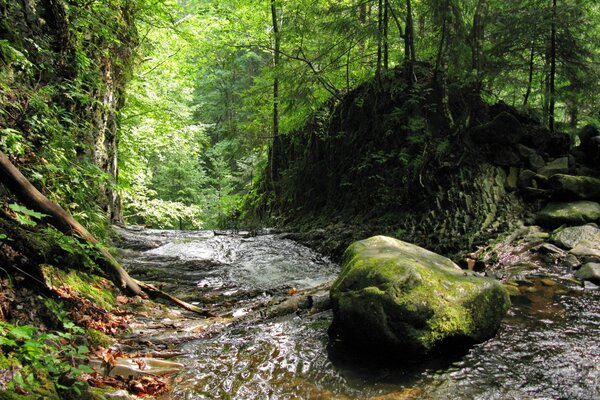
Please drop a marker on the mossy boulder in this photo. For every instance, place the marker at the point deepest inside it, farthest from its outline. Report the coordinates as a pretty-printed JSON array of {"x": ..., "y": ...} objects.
[
  {"x": 573, "y": 213},
  {"x": 582, "y": 187},
  {"x": 394, "y": 297}
]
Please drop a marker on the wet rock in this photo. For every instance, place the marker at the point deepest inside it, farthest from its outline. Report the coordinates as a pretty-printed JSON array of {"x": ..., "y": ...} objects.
[
  {"x": 586, "y": 248},
  {"x": 395, "y": 298},
  {"x": 504, "y": 129},
  {"x": 512, "y": 179},
  {"x": 582, "y": 187},
  {"x": 548, "y": 248},
  {"x": 119, "y": 395},
  {"x": 589, "y": 285},
  {"x": 589, "y": 272},
  {"x": 573, "y": 213},
  {"x": 557, "y": 166},
  {"x": 570, "y": 261},
  {"x": 569, "y": 237}
]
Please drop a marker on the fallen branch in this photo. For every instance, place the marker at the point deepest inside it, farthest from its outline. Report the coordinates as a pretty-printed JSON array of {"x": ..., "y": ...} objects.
[{"x": 151, "y": 289}]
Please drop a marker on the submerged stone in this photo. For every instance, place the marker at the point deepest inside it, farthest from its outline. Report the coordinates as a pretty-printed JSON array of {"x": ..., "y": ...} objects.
[
  {"x": 574, "y": 213},
  {"x": 400, "y": 299}
]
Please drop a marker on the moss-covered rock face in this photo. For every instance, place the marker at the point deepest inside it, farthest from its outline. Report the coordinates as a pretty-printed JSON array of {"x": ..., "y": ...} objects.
[{"x": 393, "y": 297}]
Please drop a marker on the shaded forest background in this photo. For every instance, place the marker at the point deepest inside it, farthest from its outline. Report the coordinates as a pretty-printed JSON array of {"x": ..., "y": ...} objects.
[{"x": 190, "y": 95}]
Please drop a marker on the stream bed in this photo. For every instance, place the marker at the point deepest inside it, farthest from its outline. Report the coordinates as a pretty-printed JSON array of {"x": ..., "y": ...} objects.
[{"x": 547, "y": 347}]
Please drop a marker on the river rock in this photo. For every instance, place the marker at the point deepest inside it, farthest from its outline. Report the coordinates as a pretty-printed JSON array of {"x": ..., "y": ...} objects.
[
  {"x": 569, "y": 237},
  {"x": 526, "y": 179},
  {"x": 396, "y": 298},
  {"x": 586, "y": 249},
  {"x": 573, "y": 213},
  {"x": 589, "y": 272},
  {"x": 583, "y": 187},
  {"x": 557, "y": 166},
  {"x": 536, "y": 162}
]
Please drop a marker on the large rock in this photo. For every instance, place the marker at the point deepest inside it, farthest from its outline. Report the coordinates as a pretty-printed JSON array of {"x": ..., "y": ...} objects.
[
  {"x": 574, "y": 213},
  {"x": 395, "y": 298},
  {"x": 582, "y": 187},
  {"x": 504, "y": 129},
  {"x": 569, "y": 237}
]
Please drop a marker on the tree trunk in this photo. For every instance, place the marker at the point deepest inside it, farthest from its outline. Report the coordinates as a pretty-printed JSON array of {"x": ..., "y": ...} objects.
[
  {"x": 552, "y": 69},
  {"x": 530, "y": 79},
  {"x": 386, "y": 63},
  {"x": 379, "y": 38},
  {"x": 12, "y": 178},
  {"x": 477, "y": 39},
  {"x": 441, "y": 67},
  {"x": 276, "y": 58},
  {"x": 410, "y": 32}
]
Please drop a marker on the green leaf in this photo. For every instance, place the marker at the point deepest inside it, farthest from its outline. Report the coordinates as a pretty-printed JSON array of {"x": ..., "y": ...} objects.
[
  {"x": 22, "y": 332},
  {"x": 26, "y": 211},
  {"x": 7, "y": 342}
]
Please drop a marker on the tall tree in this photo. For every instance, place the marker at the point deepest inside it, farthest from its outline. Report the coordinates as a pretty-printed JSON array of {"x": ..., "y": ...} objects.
[
  {"x": 552, "y": 79},
  {"x": 276, "y": 62}
]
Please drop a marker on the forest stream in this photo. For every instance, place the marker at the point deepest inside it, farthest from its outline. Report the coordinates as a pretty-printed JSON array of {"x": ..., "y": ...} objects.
[{"x": 547, "y": 346}]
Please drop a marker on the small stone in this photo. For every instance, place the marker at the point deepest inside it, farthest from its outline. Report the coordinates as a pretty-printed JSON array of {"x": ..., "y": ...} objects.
[
  {"x": 590, "y": 286},
  {"x": 547, "y": 282},
  {"x": 589, "y": 272}
]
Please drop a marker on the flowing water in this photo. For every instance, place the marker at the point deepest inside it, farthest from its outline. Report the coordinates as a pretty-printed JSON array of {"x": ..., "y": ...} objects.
[{"x": 547, "y": 347}]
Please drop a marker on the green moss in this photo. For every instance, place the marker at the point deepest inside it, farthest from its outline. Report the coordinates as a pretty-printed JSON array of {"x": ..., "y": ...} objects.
[
  {"x": 98, "y": 339},
  {"x": 41, "y": 388},
  {"x": 84, "y": 284},
  {"x": 393, "y": 293}
]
